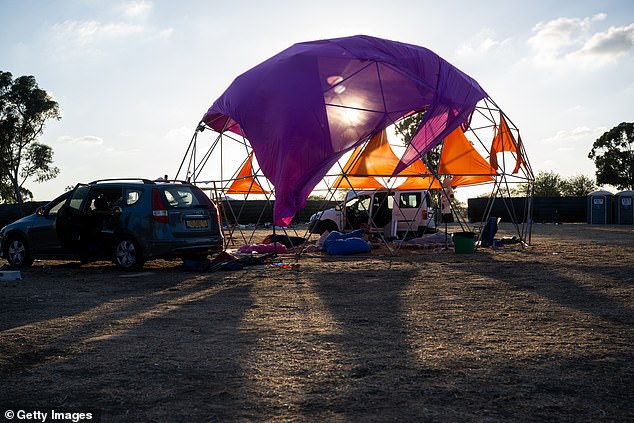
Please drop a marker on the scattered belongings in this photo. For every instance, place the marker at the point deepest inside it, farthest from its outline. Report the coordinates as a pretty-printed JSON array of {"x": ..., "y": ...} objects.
[
  {"x": 287, "y": 241},
  {"x": 436, "y": 240},
  {"x": 490, "y": 229},
  {"x": 501, "y": 242},
  {"x": 226, "y": 261},
  {"x": 274, "y": 247},
  {"x": 281, "y": 265},
  {"x": 10, "y": 275}
]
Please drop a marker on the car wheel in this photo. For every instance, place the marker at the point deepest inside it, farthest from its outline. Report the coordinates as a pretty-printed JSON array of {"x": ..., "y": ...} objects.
[
  {"x": 17, "y": 252},
  {"x": 327, "y": 225},
  {"x": 127, "y": 254}
]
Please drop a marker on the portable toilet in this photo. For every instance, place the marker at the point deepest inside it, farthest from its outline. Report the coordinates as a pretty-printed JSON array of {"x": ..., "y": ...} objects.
[
  {"x": 624, "y": 208},
  {"x": 600, "y": 207}
]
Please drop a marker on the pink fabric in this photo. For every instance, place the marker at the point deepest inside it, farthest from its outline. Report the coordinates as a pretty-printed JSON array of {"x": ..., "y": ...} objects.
[{"x": 264, "y": 248}]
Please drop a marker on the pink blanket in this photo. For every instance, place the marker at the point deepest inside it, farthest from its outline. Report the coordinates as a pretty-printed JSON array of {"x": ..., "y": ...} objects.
[{"x": 264, "y": 248}]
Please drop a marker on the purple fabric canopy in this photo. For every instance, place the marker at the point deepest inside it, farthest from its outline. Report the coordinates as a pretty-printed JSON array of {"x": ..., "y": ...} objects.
[{"x": 306, "y": 106}]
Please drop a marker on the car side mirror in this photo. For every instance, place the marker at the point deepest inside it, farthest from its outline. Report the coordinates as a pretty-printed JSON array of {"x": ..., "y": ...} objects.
[
  {"x": 338, "y": 207},
  {"x": 40, "y": 211}
]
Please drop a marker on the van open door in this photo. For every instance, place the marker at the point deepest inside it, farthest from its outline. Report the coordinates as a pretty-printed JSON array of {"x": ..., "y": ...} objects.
[{"x": 410, "y": 211}]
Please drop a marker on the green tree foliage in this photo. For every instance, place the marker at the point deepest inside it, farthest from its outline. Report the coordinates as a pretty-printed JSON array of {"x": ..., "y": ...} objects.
[
  {"x": 547, "y": 184},
  {"x": 406, "y": 129},
  {"x": 24, "y": 109},
  {"x": 550, "y": 184},
  {"x": 613, "y": 157},
  {"x": 577, "y": 186}
]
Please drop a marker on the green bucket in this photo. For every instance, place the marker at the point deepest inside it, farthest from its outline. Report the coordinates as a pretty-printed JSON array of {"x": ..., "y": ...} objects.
[{"x": 464, "y": 242}]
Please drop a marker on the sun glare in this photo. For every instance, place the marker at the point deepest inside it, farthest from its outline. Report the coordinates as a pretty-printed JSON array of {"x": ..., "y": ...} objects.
[{"x": 352, "y": 116}]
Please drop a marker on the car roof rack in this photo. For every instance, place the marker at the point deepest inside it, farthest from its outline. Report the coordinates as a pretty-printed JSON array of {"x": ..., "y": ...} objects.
[
  {"x": 175, "y": 181},
  {"x": 145, "y": 181}
]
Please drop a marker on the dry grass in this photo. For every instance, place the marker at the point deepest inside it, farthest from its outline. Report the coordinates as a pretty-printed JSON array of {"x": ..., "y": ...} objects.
[{"x": 510, "y": 334}]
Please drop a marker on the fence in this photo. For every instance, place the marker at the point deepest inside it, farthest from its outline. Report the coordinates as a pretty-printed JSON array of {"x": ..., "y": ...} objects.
[
  {"x": 11, "y": 212},
  {"x": 252, "y": 211},
  {"x": 545, "y": 209}
]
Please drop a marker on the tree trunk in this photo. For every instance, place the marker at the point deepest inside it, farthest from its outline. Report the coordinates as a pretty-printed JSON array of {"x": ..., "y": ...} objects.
[{"x": 17, "y": 194}]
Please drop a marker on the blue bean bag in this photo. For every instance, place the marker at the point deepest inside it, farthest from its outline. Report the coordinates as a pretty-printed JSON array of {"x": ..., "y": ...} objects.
[
  {"x": 348, "y": 246},
  {"x": 334, "y": 235}
]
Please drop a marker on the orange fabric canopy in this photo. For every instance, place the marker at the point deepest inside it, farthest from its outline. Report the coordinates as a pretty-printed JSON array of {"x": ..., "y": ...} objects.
[
  {"x": 505, "y": 141},
  {"x": 420, "y": 182},
  {"x": 245, "y": 182},
  {"x": 461, "y": 160},
  {"x": 378, "y": 159},
  {"x": 357, "y": 182}
]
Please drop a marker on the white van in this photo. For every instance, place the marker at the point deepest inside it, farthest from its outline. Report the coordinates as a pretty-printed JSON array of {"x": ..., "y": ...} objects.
[{"x": 391, "y": 212}]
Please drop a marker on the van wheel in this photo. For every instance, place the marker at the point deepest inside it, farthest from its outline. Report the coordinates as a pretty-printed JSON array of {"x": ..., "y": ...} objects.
[
  {"x": 17, "y": 252},
  {"x": 127, "y": 254},
  {"x": 326, "y": 225}
]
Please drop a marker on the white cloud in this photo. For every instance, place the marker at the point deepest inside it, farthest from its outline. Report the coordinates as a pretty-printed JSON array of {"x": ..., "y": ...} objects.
[
  {"x": 94, "y": 36},
  {"x": 482, "y": 43},
  {"x": 606, "y": 47},
  {"x": 82, "y": 33},
  {"x": 576, "y": 135},
  {"x": 136, "y": 9},
  {"x": 571, "y": 42},
  {"x": 86, "y": 140}
]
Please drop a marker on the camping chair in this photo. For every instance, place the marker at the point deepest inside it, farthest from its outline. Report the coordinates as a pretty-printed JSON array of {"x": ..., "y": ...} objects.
[{"x": 489, "y": 230}]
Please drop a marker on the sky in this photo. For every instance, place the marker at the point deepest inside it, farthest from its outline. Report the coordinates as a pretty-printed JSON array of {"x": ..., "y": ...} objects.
[{"x": 134, "y": 78}]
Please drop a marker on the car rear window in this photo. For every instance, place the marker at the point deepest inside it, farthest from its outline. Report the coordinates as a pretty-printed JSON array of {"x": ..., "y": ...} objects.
[
  {"x": 132, "y": 196},
  {"x": 185, "y": 197}
]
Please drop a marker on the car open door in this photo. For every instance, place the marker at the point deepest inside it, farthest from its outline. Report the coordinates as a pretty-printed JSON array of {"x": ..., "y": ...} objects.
[
  {"x": 43, "y": 233},
  {"x": 71, "y": 220}
]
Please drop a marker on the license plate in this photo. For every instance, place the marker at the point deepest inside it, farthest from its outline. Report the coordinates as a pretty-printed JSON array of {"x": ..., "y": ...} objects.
[{"x": 196, "y": 223}]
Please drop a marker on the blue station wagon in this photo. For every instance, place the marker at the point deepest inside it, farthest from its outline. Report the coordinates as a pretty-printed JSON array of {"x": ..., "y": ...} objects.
[{"x": 127, "y": 221}]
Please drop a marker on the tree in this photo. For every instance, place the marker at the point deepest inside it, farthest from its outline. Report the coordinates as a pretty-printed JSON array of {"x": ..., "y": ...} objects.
[
  {"x": 577, "y": 186},
  {"x": 613, "y": 157},
  {"x": 406, "y": 130},
  {"x": 550, "y": 184},
  {"x": 547, "y": 184},
  {"x": 24, "y": 109}
]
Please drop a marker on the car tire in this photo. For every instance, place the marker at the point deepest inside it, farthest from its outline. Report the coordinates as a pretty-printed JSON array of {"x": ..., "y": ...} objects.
[
  {"x": 17, "y": 252},
  {"x": 326, "y": 225},
  {"x": 127, "y": 254}
]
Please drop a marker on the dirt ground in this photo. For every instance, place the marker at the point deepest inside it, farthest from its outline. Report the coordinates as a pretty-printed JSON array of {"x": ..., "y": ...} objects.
[{"x": 544, "y": 333}]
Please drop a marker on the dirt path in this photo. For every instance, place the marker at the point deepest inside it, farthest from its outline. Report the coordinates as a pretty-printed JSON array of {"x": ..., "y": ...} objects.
[{"x": 509, "y": 334}]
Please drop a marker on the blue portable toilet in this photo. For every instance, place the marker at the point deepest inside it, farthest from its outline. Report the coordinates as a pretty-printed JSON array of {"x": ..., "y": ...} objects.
[
  {"x": 624, "y": 208},
  {"x": 600, "y": 207}
]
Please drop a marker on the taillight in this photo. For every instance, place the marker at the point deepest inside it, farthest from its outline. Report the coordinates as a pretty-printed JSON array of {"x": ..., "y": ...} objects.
[
  {"x": 159, "y": 211},
  {"x": 424, "y": 214}
]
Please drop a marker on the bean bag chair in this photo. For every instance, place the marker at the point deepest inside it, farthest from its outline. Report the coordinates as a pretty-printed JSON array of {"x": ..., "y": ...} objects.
[
  {"x": 345, "y": 246},
  {"x": 334, "y": 235}
]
